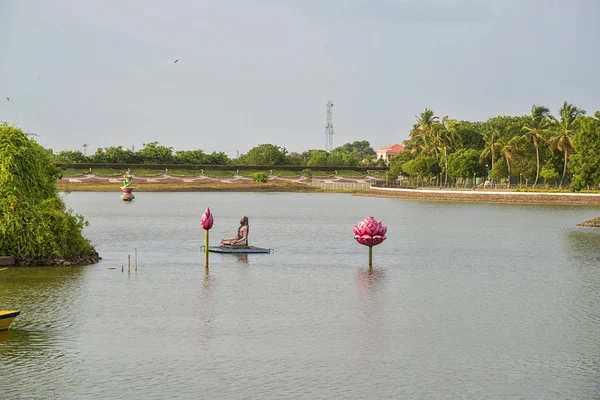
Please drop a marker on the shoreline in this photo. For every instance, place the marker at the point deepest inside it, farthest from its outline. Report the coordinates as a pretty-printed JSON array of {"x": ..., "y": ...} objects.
[
  {"x": 485, "y": 196},
  {"x": 76, "y": 184}
]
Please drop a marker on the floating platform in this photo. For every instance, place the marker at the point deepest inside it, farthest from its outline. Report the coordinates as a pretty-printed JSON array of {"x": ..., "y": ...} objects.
[{"x": 238, "y": 249}]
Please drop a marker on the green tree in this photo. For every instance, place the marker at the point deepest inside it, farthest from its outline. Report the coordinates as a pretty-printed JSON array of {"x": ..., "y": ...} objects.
[
  {"x": 508, "y": 147},
  {"x": 535, "y": 129},
  {"x": 524, "y": 166},
  {"x": 35, "y": 225},
  {"x": 295, "y": 158},
  {"x": 471, "y": 134},
  {"x": 68, "y": 156},
  {"x": 562, "y": 133},
  {"x": 190, "y": 157},
  {"x": 396, "y": 163},
  {"x": 500, "y": 170},
  {"x": 362, "y": 149},
  {"x": 218, "y": 158},
  {"x": 464, "y": 164},
  {"x": 264, "y": 154},
  {"x": 317, "y": 158},
  {"x": 585, "y": 162},
  {"x": 423, "y": 167},
  {"x": 420, "y": 135},
  {"x": 548, "y": 173},
  {"x": 154, "y": 153}
]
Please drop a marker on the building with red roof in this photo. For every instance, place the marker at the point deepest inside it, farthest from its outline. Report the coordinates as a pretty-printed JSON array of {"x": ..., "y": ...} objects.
[{"x": 386, "y": 152}]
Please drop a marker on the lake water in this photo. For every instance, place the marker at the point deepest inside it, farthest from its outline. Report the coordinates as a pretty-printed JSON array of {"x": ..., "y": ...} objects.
[{"x": 474, "y": 301}]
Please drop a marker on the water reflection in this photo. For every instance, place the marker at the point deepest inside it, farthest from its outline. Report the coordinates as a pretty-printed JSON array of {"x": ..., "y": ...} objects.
[
  {"x": 205, "y": 308},
  {"x": 370, "y": 279},
  {"x": 584, "y": 245},
  {"x": 584, "y": 239},
  {"x": 242, "y": 258}
]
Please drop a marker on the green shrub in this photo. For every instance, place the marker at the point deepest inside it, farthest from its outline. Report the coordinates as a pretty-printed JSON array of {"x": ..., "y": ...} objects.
[
  {"x": 34, "y": 221},
  {"x": 260, "y": 177}
]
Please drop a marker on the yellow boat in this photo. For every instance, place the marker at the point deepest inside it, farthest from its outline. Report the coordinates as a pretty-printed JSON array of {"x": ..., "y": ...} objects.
[{"x": 7, "y": 317}]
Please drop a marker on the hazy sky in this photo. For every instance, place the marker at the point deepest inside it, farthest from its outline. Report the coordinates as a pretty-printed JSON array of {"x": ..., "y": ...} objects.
[{"x": 102, "y": 72}]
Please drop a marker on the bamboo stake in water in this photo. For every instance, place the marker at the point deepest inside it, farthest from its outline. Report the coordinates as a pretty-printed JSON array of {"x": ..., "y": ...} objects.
[
  {"x": 128, "y": 263},
  {"x": 206, "y": 248},
  {"x": 135, "y": 258}
]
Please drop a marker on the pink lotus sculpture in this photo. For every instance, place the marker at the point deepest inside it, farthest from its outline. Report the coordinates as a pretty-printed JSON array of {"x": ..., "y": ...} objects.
[
  {"x": 207, "y": 219},
  {"x": 206, "y": 222},
  {"x": 370, "y": 232}
]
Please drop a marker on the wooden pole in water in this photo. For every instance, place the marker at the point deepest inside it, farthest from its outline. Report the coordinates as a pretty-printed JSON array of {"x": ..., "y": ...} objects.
[
  {"x": 128, "y": 263},
  {"x": 135, "y": 258},
  {"x": 206, "y": 248},
  {"x": 370, "y": 256}
]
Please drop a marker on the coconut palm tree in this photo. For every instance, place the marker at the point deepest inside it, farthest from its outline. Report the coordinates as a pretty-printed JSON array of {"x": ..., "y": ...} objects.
[
  {"x": 535, "y": 130},
  {"x": 421, "y": 132},
  {"x": 490, "y": 138},
  {"x": 562, "y": 131},
  {"x": 508, "y": 147},
  {"x": 449, "y": 139}
]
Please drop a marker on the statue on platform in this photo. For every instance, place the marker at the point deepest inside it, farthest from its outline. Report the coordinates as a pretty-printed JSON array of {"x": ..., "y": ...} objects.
[
  {"x": 127, "y": 178},
  {"x": 126, "y": 188},
  {"x": 241, "y": 239}
]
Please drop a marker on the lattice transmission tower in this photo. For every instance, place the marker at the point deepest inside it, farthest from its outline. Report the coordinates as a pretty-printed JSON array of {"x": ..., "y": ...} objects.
[{"x": 329, "y": 126}]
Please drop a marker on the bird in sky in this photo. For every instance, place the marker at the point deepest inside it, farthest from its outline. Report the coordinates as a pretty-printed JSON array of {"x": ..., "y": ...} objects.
[
  {"x": 176, "y": 61},
  {"x": 7, "y": 99}
]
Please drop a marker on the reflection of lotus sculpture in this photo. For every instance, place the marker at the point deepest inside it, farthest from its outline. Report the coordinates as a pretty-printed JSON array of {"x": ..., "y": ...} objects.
[{"x": 370, "y": 232}]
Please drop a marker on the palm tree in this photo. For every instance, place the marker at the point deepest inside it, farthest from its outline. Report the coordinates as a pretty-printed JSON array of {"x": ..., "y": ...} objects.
[
  {"x": 490, "y": 138},
  {"x": 535, "y": 130},
  {"x": 420, "y": 134},
  {"x": 449, "y": 138},
  {"x": 508, "y": 147},
  {"x": 563, "y": 133},
  {"x": 424, "y": 123}
]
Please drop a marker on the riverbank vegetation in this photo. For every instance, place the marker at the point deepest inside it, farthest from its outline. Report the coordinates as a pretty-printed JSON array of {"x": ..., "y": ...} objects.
[
  {"x": 532, "y": 150},
  {"x": 358, "y": 153},
  {"x": 35, "y": 225}
]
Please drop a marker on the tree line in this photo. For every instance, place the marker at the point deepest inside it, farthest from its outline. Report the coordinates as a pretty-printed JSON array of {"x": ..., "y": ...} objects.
[
  {"x": 535, "y": 147},
  {"x": 358, "y": 153}
]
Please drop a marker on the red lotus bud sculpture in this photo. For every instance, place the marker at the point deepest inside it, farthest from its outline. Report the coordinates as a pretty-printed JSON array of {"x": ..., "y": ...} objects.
[
  {"x": 370, "y": 232},
  {"x": 207, "y": 219},
  {"x": 206, "y": 222}
]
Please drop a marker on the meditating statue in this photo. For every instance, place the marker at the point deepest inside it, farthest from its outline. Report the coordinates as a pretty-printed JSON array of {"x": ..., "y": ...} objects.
[{"x": 241, "y": 238}]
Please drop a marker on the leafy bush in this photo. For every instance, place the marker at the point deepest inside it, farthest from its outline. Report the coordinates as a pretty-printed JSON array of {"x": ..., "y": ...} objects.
[
  {"x": 260, "y": 177},
  {"x": 34, "y": 221}
]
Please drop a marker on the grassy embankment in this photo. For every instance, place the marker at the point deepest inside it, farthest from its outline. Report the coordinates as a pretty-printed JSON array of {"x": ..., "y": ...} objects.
[{"x": 209, "y": 185}]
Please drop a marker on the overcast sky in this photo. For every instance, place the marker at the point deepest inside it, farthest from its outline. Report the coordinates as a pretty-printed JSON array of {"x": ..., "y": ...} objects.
[{"x": 102, "y": 72}]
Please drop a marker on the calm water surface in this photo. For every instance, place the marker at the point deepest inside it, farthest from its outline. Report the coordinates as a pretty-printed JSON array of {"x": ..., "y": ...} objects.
[{"x": 477, "y": 301}]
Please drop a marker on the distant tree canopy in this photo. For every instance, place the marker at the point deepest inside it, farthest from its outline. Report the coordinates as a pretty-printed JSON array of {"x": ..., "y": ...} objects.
[
  {"x": 358, "y": 153},
  {"x": 531, "y": 146},
  {"x": 264, "y": 154},
  {"x": 151, "y": 153},
  {"x": 362, "y": 149},
  {"x": 34, "y": 222}
]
